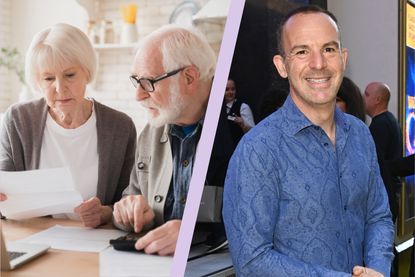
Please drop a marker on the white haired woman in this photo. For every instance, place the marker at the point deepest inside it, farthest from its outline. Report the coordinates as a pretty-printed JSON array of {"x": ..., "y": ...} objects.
[{"x": 65, "y": 128}]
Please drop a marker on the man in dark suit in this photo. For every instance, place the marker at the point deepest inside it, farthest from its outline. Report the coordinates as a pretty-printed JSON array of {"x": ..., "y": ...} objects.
[{"x": 387, "y": 135}]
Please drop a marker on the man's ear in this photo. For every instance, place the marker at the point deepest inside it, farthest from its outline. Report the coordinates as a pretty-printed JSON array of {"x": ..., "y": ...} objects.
[
  {"x": 378, "y": 98},
  {"x": 280, "y": 66},
  {"x": 344, "y": 57},
  {"x": 191, "y": 75}
]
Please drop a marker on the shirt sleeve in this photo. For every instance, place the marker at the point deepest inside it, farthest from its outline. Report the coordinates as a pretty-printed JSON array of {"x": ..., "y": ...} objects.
[
  {"x": 128, "y": 164},
  {"x": 133, "y": 189},
  {"x": 6, "y": 157},
  {"x": 379, "y": 229},
  {"x": 250, "y": 214},
  {"x": 247, "y": 116}
]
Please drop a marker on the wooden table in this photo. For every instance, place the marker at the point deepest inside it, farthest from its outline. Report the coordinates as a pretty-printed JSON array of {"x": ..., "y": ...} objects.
[
  {"x": 67, "y": 263},
  {"x": 54, "y": 262}
]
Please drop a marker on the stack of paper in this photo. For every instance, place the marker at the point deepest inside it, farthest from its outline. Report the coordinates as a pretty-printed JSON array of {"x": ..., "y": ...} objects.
[
  {"x": 75, "y": 238},
  {"x": 113, "y": 263}
]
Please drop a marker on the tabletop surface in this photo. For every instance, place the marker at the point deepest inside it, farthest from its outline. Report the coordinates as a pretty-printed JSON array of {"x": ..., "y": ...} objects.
[
  {"x": 54, "y": 262},
  {"x": 74, "y": 263}
]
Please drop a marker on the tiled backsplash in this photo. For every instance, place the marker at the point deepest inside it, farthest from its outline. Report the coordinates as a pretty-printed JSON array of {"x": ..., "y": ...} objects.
[
  {"x": 5, "y": 31},
  {"x": 112, "y": 86}
]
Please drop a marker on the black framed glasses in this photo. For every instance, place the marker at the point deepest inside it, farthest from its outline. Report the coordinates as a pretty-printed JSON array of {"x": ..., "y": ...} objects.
[{"x": 148, "y": 84}]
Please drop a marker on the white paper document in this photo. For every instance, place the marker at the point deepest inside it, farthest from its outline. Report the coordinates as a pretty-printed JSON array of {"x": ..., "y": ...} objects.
[
  {"x": 35, "y": 193},
  {"x": 113, "y": 263},
  {"x": 75, "y": 238}
]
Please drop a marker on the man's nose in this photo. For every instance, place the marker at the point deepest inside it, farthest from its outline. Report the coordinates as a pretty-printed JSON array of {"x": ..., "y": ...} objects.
[
  {"x": 317, "y": 60},
  {"x": 141, "y": 94}
]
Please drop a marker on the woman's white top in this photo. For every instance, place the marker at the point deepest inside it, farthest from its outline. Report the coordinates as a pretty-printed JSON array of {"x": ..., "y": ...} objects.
[{"x": 74, "y": 148}]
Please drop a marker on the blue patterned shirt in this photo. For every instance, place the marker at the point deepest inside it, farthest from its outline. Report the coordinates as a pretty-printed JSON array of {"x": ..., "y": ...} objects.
[{"x": 296, "y": 205}]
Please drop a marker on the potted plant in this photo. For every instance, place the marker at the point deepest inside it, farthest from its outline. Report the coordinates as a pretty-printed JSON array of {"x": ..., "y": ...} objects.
[{"x": 11, "y": 59}]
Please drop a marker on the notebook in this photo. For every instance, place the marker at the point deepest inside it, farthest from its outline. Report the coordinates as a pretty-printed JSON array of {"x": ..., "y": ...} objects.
[{"x": 16, "y": 253}]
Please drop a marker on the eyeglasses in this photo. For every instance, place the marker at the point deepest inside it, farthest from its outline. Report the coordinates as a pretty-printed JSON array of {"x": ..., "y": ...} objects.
[{"x": 148, "y": 84}]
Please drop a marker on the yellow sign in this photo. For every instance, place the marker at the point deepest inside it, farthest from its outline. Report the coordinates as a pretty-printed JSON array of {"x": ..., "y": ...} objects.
[
  {"x": 411, "y": 102},
  {"x": 410, "y": 26}
]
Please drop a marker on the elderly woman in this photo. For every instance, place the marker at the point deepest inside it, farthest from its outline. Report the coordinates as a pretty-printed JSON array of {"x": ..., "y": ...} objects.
[{"x": 65, "y": 128}]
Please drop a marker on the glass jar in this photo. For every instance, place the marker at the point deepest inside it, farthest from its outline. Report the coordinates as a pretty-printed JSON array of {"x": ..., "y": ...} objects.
[
  {"x": 92, "y": 32},
  {"x": 109, "y": 32}
]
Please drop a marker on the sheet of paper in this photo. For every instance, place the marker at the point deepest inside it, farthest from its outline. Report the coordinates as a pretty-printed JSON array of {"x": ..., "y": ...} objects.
[
  {"x": 113, "y": 263},
  {"x": 75, "y": 238},
  {"x": 38, "y": 192}
]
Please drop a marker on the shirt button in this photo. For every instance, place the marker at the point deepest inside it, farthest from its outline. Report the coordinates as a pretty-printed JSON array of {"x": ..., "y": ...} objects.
[
  {"x": 315, "y": 128},
  {"x": 185, "y": 163},
  {"x": 158, "y": 198},
  {"x": 345, "y": 207},
  {"x": 164, "y": 138},
  {"x": 350, "y": 240},
  {"x": 326, "y": 144},
  {"x": 183, "y": 200},
  {"x": 140, "y": 165}
]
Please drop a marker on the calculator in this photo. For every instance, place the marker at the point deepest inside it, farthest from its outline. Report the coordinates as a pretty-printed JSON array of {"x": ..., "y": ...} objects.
[{"x": 127, "y": 242}]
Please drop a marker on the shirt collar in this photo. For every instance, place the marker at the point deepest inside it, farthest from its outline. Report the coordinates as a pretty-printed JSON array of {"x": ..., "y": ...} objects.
[
  {"x": 178, "y": 131},
  {"x": 342, "y": 128},
  {"x": 230, "y": 104},
  {"x": 341, "y": 120},
  {"x": 295, "y": 120}
]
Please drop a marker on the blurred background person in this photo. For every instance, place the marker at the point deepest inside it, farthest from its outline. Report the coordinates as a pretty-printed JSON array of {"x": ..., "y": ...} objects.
[
  {"x": 387, "y": 135},
  {"x": 384, "y": 126},
  {"x": 66, "y": 129},
  {"x": 402, "y": 167},
  {"x": 271, "y": 100},
  {"x": 240, "y": 117},
  {"x": 349, "y": 99}
]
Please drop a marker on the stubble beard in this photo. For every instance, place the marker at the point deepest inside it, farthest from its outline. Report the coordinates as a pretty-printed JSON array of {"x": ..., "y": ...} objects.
[{"x": 169, "y": 114}]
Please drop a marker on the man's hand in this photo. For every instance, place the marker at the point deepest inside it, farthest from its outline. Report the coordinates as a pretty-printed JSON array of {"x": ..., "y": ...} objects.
[
  {"x": 133, "y": 210},
  {"x": 92, "y": 213},
  {"x": 360, "y": 271},
  {"x": 161, "y": 240}
]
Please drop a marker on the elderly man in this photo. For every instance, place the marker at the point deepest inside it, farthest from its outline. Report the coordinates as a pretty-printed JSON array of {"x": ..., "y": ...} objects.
[
  {"x": 303, "y": 195},
  {"x": 172, "y": 74}
]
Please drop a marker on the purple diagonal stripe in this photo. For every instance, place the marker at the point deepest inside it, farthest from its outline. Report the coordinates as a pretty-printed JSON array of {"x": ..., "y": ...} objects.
[{"x": 207, "y": 137}]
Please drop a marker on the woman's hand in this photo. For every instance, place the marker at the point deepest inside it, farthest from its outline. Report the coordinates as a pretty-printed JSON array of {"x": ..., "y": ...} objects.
[
  {"x": 92, "y": 213},
  {"x": 3, "y": 197}
]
